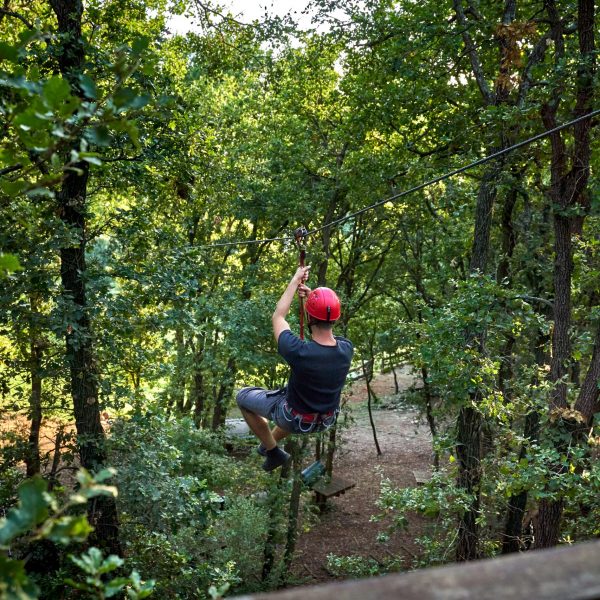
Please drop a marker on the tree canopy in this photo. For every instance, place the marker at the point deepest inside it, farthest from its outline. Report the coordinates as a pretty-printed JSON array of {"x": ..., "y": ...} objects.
[{"x": 150, "y": 185}]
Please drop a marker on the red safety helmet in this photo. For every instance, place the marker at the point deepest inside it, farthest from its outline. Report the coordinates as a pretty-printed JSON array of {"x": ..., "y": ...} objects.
[{"x": 323, "y": 304}]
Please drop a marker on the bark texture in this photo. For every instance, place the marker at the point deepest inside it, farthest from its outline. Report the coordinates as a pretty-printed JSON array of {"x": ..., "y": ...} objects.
[
  {"x": 570, "y": 171},
  {"x": 71, "y": 201}
]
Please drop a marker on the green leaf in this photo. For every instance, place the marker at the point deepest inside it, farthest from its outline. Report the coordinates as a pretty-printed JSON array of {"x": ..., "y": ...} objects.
[
  {"x": 130, "y": 129},
  {"x": 31, "y": 510},
  {"x": 104, "y": 475},
  {"x": 56, "y": 91},
  {"x": 98, "y": 135},
  {"x": 140, "y": 44},
  {"x": 40, "y": 192},
  {"x": 88, "y": 86},
  {"x": 30, "y": 119},
  {"x": 126, "y": 98},
  {"x": 9, "y": 263},
  {"x": 123, "y": 97},
  {"x": 8, "y": 52},
  {"x": 111, "y": 563},
  {"x": 89, "y": 562},
  {"x": 68, "y": 529},
  {"x": 14, "y": 583},
  {"x": 91, "y": 158},
  {"x": 115, "y": 586}
]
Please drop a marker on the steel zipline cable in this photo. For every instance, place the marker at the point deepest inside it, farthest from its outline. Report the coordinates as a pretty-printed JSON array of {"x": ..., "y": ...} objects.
[{"x": 415, "y": 188}]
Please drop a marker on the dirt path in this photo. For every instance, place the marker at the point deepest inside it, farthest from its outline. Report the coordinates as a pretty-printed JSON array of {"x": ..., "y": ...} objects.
[{"x": 345, "y": 529}]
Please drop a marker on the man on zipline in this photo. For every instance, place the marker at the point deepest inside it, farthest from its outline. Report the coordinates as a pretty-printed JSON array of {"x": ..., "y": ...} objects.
[{"x": 310, "y": 401}]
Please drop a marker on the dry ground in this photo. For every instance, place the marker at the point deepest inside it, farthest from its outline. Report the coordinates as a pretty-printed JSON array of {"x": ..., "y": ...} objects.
[{"x": 346, "y": 529}]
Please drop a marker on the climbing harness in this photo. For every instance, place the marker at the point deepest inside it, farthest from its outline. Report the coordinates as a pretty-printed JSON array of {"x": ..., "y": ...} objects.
[
  {"x": 300, "y": 237},
  {"x": 309, "y": 422}
]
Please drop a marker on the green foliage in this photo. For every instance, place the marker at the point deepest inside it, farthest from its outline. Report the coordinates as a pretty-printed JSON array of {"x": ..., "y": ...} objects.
[
  {"x": 96, "y": 567},
  {"x": 440, "y": 500},
  {"x": 240, "y": 533},
  {"x": 355, "y": 567},
  {"x": 177, "y": 527},
  {"x": 236, "y": 132},
  {"x": 39, "y": 517},
  {"x": 187, "y": 464},
  {"x": 8, "y": 264}
]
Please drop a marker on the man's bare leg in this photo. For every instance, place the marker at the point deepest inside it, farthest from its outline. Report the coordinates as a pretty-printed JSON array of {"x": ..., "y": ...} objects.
[
  {"x": 260, "y": 427},
  {"x": 279, "y": 434}
]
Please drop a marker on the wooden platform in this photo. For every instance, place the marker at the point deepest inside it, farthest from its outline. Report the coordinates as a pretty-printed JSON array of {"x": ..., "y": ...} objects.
[
  {"x": 335, "y": 487},
  {"x": 422, "y": 477}
]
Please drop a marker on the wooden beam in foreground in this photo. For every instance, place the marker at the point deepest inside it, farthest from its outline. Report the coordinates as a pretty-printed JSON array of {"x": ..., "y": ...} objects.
[{"x": 571, "y": 572}]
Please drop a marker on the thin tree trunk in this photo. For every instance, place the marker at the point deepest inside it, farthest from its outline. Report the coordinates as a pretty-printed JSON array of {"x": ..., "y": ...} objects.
[
  {"x": 294, "y": 505},
  {"x": 177, "y": 384},
  {"x": 429, "y": 413},
  {"x": 396, "y": 386},
  {"x": 587, "y": 401},
  {"x": 517, "y": 503},
  {"x": 369, "y": 396},
  {"x": 226, "y": 387},
  {"x": 32, "y": 457},
  {"x": 468, "y": 452}
]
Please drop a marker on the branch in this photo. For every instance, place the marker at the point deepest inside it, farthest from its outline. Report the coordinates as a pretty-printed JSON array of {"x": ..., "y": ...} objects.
[
  {"x": 474, "y": 57},
  {"x": 11, "y": 13},
  {"x": 531, "y": 299},
  {"x": 10, "y": 169},
  {"x": 587, "y": 401},
  {"x": 425, "y": 153},
  {"x": 535, "y": 57}
]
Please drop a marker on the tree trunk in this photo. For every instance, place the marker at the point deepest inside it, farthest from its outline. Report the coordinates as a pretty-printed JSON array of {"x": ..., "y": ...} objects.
[
  {"x": 517, "y": 503},
  {"x": 469, "y": 448},
  {"x": 226, "y": 387},
  {"x": 32, "y": 457},
  {"x": 587, "y": 401},
  {"x": 176, "y": 398},
  {"x": 71, "y": 201},
  {"x": 368, "y": 373},
  {"x": 297, "y": 452},
  {"x": 469, "y": 451},
  {"x": 197, "y": 392},
  {"x": 571, "y": 204}
]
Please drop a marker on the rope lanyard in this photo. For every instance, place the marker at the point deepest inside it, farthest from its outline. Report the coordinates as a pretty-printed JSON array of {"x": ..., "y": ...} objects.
[{"x": 300, "y": 236}]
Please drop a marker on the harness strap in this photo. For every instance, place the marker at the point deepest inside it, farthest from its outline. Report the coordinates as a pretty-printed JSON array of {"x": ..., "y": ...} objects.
[{"x": 311, "y": 417}]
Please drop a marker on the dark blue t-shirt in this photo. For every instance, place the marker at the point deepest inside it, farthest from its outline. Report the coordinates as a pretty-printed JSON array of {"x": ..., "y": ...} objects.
[{"x": 318, "y": 372}]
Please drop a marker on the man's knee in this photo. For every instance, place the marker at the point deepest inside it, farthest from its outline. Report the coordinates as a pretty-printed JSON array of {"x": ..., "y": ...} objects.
[{"x": 241, "y": 398}]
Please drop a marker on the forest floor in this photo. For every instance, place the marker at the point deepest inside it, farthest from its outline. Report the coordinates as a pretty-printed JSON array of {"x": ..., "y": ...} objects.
[{"x": 346, "y": 529}]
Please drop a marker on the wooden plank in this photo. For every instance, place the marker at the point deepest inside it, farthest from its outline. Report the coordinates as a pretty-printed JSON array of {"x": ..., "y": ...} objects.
[
  {"x": 422, "y": 477},
  {"x": 566, "y": 572},
  {"x": 332, "y": 488}
]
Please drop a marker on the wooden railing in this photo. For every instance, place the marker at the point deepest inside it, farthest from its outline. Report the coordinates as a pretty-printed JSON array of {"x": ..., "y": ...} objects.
[{"x": 565, "y": 573}]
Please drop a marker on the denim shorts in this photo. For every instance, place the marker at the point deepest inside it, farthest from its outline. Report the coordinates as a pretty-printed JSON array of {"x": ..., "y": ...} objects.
[{"x": 272, "y": 404}]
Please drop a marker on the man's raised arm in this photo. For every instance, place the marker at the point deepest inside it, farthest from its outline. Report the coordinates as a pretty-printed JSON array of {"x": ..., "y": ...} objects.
[{"x": 282, "y": 309}]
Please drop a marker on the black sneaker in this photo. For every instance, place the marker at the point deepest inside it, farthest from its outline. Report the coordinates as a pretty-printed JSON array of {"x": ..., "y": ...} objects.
[
  {"x": 261, "y": 450},
  {"x": 275, "y": 458}
]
